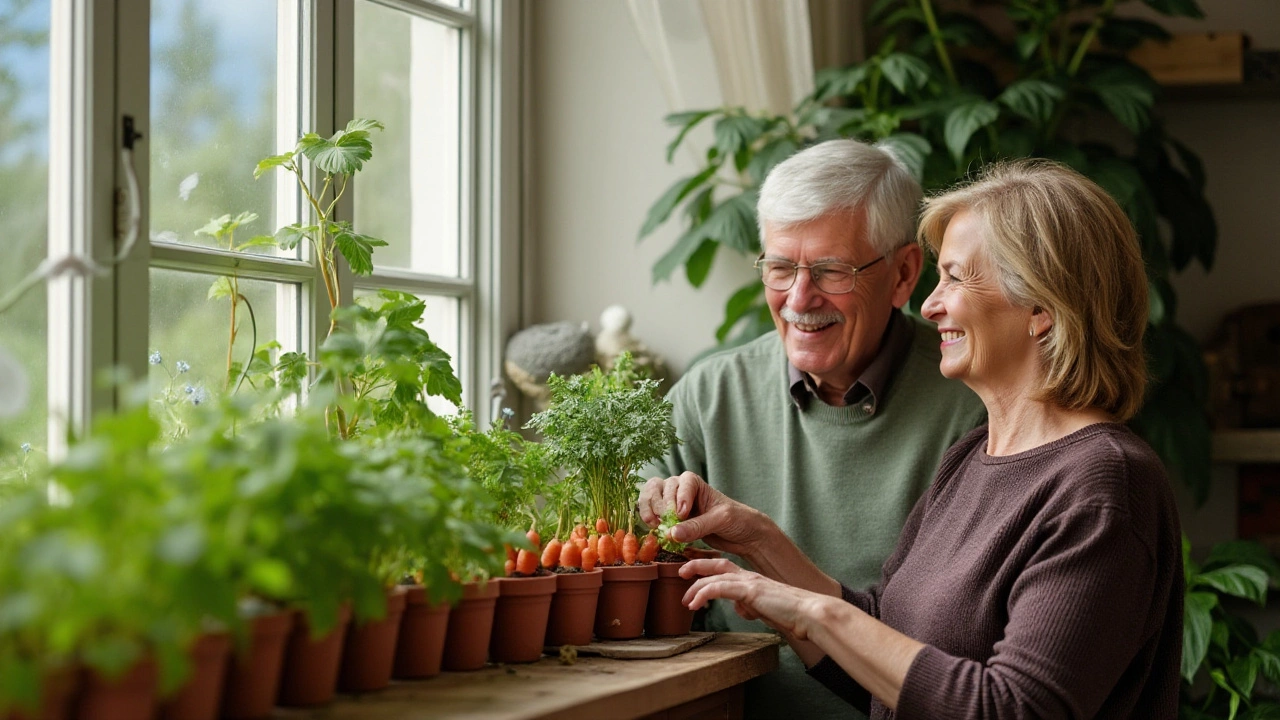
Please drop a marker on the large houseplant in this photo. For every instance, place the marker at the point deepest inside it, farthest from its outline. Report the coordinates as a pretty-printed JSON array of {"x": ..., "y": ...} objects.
[{"x": 948, "y": 94}]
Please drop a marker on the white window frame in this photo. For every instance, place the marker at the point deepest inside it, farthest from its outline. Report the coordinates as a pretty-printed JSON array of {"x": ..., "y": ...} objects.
[{"x": 100, "y": 67}]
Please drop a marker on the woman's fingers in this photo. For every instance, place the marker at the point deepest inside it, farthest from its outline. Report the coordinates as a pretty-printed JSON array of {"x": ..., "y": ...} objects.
[{"x": 708, "y": 566}]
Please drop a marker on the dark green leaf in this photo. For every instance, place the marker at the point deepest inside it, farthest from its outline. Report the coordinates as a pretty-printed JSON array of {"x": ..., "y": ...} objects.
[
  {"x": 1243, "y": 581},
  {"x": 357, "y": 249},
  {"x": 735, "y": 132},
  {"x": 343, "y": 154},
  {"x": 1032, "y": 99},
  {"x": 1190, "y": 163},
  {"x": 680, "y": 252},
  {"x": 741, "y": 302},
  {"x": 1243, "y": 552},
  {"x": 839, "y": 82},
  {"x": 1196, "y": 626},
  {"x": 773, "y": 152},
  {"x": 911, "y": 149},
  {"x": 687, "y": 121},
  {"x": 1127, "y": 91},
  {"x": 733, "y": 222},
  {"x": 964, "y": 121},
  {"x": 1027, "y": 43},
  {"x": 1155, "y": 304},
  {"x": 661, "y": 209},
  {"x": 879, "y": 8},
  {"x": 905, "y": 72},
  {"x": 698, "y": 265},
  {"x": 909, "y": 14},
  {"x": 1268, "y": 663}
]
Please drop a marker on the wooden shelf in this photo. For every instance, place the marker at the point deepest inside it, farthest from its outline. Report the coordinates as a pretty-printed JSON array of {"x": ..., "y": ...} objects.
[
  {"x": 705, "y": 681},
  {"x": 1246, "y": 446},
  {"x": 1248, "y": 90}
]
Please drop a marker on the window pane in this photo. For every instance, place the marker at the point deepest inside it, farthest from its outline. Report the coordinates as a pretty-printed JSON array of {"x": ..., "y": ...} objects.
[
  {"x": 190, "y": 331},
  {"x": 407, "y": 76},
  {"x": 213, "y": 86},
  {"x": 24, "y": 214}
]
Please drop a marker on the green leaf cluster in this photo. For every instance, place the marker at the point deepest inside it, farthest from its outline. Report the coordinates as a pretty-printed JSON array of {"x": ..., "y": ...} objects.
[
  {"x": 601, "y": 428},
  {"x": 1218, "y": 644},
  {"x": 670, "y": 520},
  {"x": 946, "y": 94},
  {"x": 513, "y": 471}
]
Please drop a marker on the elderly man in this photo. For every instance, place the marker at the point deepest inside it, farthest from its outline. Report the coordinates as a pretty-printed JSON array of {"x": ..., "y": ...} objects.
[{"x": 831, "y": 427}]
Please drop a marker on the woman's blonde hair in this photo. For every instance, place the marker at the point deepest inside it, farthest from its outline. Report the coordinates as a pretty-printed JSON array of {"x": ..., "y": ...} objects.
[{"x": 1061, "y": 243}]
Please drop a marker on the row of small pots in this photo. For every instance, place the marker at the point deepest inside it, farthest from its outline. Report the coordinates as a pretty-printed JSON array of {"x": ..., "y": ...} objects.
[{"x": 508, "y": 620}]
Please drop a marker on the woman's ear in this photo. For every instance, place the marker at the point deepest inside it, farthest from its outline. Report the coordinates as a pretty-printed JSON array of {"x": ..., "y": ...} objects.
[{"x": 1041, "y": 321}]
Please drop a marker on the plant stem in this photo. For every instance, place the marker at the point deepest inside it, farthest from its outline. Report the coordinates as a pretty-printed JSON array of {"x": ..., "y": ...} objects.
[
  {"x": 926, "y": 7},
  {"x": 1098, "y": 21},
  {"x": 253, "y": 346}
]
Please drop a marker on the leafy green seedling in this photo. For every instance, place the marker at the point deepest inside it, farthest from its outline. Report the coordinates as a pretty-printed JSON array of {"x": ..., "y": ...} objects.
[{"x": 669, "y": 521}]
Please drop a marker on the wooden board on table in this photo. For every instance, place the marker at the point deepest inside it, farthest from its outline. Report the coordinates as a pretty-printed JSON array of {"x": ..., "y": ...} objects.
[{"x": 642, "y": 648}]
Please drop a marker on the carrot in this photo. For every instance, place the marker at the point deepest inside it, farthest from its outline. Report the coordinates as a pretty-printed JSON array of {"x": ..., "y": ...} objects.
[
  {"x": 551, "y": 555},
  {"x": 511, "y": 553},
  {"x": 581, "y": 542},
  {"x": 648, "y": 548},
  {"x": 534, "y": 538},
  {"x": 526, "y": 563},
  {"x": 630, "y": 548},
  {"x": 618, "y": 536},
  {"x": 588, "y": 559},
  {"x": 593, "y": 542},
  {"x": 509, "y": 567},
  {"x": 607, "y": 550},
  {"x": 571, "y": 555},
  {"x": 602, "y": 527},
  {"x": 580, "y": 531}
]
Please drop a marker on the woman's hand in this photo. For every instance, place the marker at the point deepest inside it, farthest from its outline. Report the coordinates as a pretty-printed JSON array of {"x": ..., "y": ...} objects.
[
  {"x": 788, "y": 609},
  {"x": 705, "y": 513}
]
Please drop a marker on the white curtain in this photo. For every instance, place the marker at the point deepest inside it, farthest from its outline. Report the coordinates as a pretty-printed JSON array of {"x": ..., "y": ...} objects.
[{"x": 763, "y": 50}]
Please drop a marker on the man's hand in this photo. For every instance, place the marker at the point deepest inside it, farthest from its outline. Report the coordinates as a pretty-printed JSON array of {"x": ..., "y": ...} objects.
[{"x": 705, "y": 514}]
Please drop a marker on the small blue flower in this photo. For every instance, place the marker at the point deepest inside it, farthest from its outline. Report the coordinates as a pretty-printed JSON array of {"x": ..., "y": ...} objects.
[
  {"x": 154, "y": 358},
  {"x": 188, "y": 389},
  {"x": 26, "y": 447},
  {"x": 183, "y": 366},
  {"x": 198, "y": 395},
  {"x": 508, "y": 413}
]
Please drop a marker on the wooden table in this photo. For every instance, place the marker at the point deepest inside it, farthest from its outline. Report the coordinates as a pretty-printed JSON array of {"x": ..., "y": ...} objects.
[{"x": 703, "y": 683}]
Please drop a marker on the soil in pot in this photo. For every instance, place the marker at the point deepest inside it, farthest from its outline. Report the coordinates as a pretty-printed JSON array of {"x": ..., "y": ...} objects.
[
  {"x": 253, "y": 676},
  {"x": 466, "y": 643},
  {"x": 666, "y": 615},
  {"x": 624, "y": 596},
  {"x": 520, "y": 618},
  {"x": 57, "y": 691},
  {"x": 200, "y": 696},
  {"x": 131, "y": 696},
  {"x": 420, "y": 649},
  {"x": 370, "y": 649},
  {"x": 310, "y": 672},
  {"x": 573, "y": 608}
]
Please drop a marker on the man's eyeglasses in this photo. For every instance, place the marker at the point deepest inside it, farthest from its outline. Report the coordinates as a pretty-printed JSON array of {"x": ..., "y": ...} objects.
[{"x": 833, "y": 278}]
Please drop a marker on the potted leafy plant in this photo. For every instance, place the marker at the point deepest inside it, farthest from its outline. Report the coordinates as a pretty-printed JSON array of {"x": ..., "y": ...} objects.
[
  {"x": 602, "y": 428},
  {"x": 514, "y": 474}
]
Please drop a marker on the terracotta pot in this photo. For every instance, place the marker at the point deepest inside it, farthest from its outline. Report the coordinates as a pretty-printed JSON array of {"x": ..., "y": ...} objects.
[
  {"x": 623, "y": 599},
  {"x": 667, "y": 615},
  {"x": 132, "y": 696},
  {"x": 57, "y": 691},
  {"x": 422, "y": 628},
  {"x": 199, "y": 697},
  {"x": 466, "y": 643},
  {"x": 309, "y": 675},
  {"x": 520, "y": 618},
  {"x": 253, "y": 677},
  {"x": 573, "y": 608},
  {"x": 370, "y": 649}
]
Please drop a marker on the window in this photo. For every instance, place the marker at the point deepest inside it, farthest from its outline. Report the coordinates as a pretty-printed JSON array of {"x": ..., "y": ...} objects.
[
  {"x": 212, "y": 88},
  {"x": 24, "y": 213}
]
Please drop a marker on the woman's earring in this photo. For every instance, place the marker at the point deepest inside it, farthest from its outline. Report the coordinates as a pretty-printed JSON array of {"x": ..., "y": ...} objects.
[{"x": 1032, "y": 331}]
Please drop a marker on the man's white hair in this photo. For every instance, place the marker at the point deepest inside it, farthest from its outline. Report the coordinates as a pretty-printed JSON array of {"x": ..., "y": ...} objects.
[{"x": 844, "y": 175}]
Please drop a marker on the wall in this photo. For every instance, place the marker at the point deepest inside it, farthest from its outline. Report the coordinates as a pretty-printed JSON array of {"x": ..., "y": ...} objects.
[{"x": 599, "y": 162}]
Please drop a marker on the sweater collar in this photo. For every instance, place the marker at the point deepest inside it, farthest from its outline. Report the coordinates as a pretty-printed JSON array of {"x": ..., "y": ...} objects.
[{"x": 869, "y": 388}]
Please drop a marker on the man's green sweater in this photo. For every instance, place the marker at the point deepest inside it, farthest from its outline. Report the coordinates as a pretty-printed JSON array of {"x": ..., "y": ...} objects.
[{"x": 839, "y": 481}]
